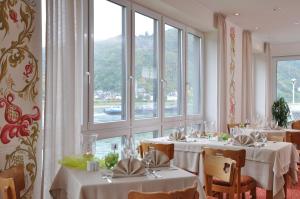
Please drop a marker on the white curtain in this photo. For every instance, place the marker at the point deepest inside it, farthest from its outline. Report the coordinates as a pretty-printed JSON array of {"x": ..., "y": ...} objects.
[
  {"x": 248, "y": 100},
  {"x": 64, "y": 76},
  {"x": 220, "y": 25},
  {"x": 269, "y": 80}
]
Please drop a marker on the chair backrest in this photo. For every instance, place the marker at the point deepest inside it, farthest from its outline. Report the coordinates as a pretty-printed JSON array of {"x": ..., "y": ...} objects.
[
  {"x": 239, "y": 156},
  {"x": 293, "y": 137},
  {"x": 168, "y": 149},
  {"x": 227, "y": 159},
  {"x": 296, "y": 124},
  {"x": 12, "y": 182},
  {"x": 277, "y": 138},
  {"x": 7, "y": 188},
  {"x": 230, "y": 126},
  {"x": 188, "y": 193}
]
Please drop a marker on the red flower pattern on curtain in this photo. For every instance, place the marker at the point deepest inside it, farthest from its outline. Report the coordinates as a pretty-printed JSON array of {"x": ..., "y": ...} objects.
[{"x": 17, "y": 123}]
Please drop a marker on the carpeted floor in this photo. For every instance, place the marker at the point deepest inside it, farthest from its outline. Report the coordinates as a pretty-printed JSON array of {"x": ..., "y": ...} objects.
[{"x": 293, "y": 191}]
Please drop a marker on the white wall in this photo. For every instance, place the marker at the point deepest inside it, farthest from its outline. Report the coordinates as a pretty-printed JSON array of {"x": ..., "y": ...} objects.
[
  {"x": 191, "y": 13},
  {"x": 287, "y": 49}
]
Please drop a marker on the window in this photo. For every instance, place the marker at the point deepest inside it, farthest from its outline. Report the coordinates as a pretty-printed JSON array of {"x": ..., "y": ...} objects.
[
  {"x": 105, "y": 146},
  {"x": 173, "y": 71},
  {"x": 138, "y": 137},
  {"x": 139, "y": 63},
  {"x": 146, "y": 67},
  {"x": 109, "y": 61},
  {"x": 193, "y": 74},
  {"x": 288, "y": 79}
]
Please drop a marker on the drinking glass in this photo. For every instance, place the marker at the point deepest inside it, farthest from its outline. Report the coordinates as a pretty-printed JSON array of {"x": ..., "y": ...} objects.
[
  {"x": 88, "y": 144},
  {"x": 128, "y": 147}
]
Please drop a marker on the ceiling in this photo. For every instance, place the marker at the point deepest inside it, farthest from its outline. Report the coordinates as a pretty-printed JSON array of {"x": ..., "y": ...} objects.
[{"x": 273, "y": 26}]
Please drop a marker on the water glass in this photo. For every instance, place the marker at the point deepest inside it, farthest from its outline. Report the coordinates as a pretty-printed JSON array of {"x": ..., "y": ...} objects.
[
  {"x": 128, "y": 147},
  {"x": 88, "y": 144}
]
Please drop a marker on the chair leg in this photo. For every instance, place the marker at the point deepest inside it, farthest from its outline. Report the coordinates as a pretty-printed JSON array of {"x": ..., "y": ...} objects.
[
  {"x": 220, "y": 195},
  {"x": 253, "y": 193},
  {"x": 231, "y": 196},
  {"x": 243, "y": 195},
  {"x": 227, "y": 195}
]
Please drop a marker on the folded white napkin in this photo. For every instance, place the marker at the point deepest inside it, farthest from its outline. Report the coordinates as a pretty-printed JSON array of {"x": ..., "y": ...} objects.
[
  {"x": 258, "y": 136},
  {"x": 243, "y": 140},
  {"x": 128, "y": 168},
  {"x": 177, "y": 136},
  {"x": 157, "y": 159}
]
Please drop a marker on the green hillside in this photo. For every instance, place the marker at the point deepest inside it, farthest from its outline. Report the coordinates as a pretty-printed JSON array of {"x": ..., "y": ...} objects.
[
  {"x": 286, "y": 71},
  {"x": 108, "y": 65}
]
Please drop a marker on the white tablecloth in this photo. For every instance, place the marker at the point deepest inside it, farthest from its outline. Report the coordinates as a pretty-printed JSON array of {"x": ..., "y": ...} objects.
[
  {"x": 76, "y": 184},
  {"x": 273, "y": 132},
  {"x": 266, "y": 165}
]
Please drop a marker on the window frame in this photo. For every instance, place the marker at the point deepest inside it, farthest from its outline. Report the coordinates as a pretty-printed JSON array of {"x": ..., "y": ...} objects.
[
  {"x": 91, "y": 126},
  {"x": 175, "y": 24},
  {"x": 130, "y": 126},
  {"x": 196, "y": 117},
  {"x": 136, "y": 123},
  {"x": 275, "y": 61}
]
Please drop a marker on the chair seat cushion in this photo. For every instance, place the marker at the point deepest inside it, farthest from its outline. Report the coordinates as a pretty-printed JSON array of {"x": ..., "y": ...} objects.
[{"x": 245, "y": 180}]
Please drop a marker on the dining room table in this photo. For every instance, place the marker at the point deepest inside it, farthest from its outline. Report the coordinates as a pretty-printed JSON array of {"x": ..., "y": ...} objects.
[
  {"x": 268, "y": 163},
  {"x": 80, "y": 184},
  {"x": 271, "y": 131}
]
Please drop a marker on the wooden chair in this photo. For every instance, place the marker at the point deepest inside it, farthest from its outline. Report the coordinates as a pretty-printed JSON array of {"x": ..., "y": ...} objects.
[
  {"x": 276, "y": 138},
  {"x": 233, "y": 125},
  {"x": 12, "y": 182},
  {"x": 223, "y": 181},
  {"x": 296, "y": 124},
  {"x": 293, "y": 137},
  {"x": 188, "y": 193},
  {"x": 168, "y": 149}
]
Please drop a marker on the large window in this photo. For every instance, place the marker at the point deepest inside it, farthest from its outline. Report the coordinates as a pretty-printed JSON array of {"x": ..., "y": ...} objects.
[
  {"x": 288, "y": 83},
  {"x": 173, "y": 71},
  {"x": 109, "y": 62},
  {"x": 146, "y": 67},
  {"x": 193, "y": 74},
  {"x": 144, "y": 74}
]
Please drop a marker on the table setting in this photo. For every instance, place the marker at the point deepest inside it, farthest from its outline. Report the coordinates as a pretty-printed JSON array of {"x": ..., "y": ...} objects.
[
  {"x": 266, "y": 161},
  {"x": 86, "y": 176}
]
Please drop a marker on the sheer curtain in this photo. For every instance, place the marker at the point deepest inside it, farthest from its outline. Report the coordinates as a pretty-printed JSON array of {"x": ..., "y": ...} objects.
[
  {"x": 64, "y": 77},
  {"x": 220, "y": 25},
  {"x": 269, "y": 80},
  {"x": 248, "y": 99}
]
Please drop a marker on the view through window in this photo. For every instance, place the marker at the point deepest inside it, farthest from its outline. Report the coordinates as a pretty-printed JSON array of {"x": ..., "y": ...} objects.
[
  {"x": 288, "y": 84},
  {"x": 137, "y": 67}
]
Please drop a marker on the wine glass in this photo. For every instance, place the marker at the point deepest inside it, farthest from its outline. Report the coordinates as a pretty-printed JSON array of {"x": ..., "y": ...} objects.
[{"x": 129, "y": 147}]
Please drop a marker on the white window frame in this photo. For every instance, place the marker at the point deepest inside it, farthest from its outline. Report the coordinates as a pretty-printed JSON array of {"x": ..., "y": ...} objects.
[
  {"x": 130, "y": 125},
  {"x": 106, "y": 127},
  {"x": 196, "y": 117},
  {"x": 275, "y": 61},
  {"x": 147, "y": 121},
  {"x": 175, "y": 24}
]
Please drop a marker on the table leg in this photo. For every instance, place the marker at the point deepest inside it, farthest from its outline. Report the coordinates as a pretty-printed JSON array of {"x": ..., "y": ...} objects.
[
  {"x": 285, "y": 184},
  {"x": 269, "y": 194}
]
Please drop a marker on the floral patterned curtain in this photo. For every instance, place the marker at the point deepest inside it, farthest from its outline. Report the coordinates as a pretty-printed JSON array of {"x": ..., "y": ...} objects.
[{"x": 20, "y": 87}]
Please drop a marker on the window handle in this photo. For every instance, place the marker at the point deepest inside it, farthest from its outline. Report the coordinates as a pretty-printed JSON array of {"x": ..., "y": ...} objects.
[
  {"x": 163, "y": 81},
  {"x": 131, "y": 77},
  {"x": 89, "y": 77}
]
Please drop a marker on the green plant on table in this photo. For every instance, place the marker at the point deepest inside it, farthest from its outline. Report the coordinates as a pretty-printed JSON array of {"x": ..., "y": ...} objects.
[
  {"x": 111, "y": 160},
  {"x": 224, "y": 136},
  {"x": 281, "y": 112}
]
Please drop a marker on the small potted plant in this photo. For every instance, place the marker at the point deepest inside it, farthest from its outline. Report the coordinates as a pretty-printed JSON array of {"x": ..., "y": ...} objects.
[
  {"x": 111, "y": 160},
  {"x": 281, "y": 112}
]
